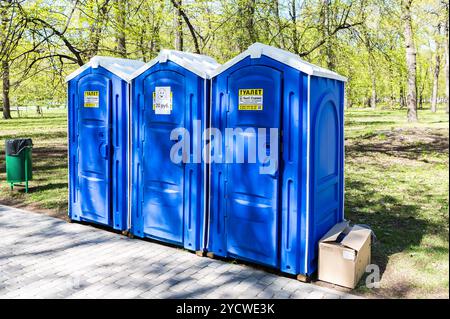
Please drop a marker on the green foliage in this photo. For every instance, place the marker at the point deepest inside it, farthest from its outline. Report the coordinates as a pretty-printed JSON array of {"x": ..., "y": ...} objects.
[{"x": 360, "y": 39}]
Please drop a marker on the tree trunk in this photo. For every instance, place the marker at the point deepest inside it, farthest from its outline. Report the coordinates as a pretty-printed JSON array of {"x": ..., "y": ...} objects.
[
  {"x": 372, "y": 62},
  {"x": 155, "y": 38},
  {"x": 96, "y": 29},
  {"x": 280, "y": 34},
  {"x": 4, "y": 19},
  {"x": 250, "y": 20},
  {"x": 327, "y": 49},
  {"x": 437, "y": 65},
  {"x": 373, "y": 98},
  {"x": 155, "y": 41},
  {"x": 293, "y": 14},
  {"x": 183, "y": 16},
  {"x": 391, "y": 87},
  {"x": 421, "y": 87},
  {"x": 141, "y": 43},
  {"x": 5, "y": 90},
  {"x": 367, "y": 102},
  {"x": 179, "y": 28},
  {"x": 348, "y": 103},
  {"x": 411, "y": 97},
  {"x": 447, "y": 62},
  {"x": 121, "y": 22},
  {"x": 373, "y": 77},
  {"x": 402, "y": 96},
  {"x": 246, "y": 23}
]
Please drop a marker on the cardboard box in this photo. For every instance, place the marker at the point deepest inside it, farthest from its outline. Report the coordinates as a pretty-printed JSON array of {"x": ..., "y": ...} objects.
[{"x": 344, "y": 253}]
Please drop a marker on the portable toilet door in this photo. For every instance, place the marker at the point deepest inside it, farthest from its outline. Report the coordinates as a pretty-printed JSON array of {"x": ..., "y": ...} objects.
[
  {"x": 98, "y": 108},
  {"x": 170, "y": 103},
  {"x": 273, "y": 212}
]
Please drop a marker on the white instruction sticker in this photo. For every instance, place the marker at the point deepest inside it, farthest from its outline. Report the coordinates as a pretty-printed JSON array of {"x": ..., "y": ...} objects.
[
  {"x": 250, "y": 99},
  {"x": 348, "y": 254},
  {"x": 91, "y": 98},
  {"x": 162, "y": 100}
]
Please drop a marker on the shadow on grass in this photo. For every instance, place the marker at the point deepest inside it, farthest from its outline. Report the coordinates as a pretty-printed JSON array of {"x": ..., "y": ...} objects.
[
  {"x": 50, "y": 186},
  {"x": 56, "y": 208},
  {"x": 37, "y": 135},
  {"x": 368, "y": 123},
  {"x": 397, "y": 145},
  {"x": 396, "y": 226},
  {"x": 46, "y": 177},
  {"x": 396, "y": 221},
  {"x": 43, "y": 158}
]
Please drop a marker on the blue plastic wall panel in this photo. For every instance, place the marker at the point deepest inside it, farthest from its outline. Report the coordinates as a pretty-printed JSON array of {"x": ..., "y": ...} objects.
[
  {"x": 168, "y": 199},
  {"x": 98, "y": 148},
  {"x": 326, "y": 161},
  {"x": 264, "y": 218}
]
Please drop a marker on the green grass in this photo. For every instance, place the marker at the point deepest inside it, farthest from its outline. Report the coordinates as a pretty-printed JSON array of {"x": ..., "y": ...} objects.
[
  {"x": 396, "y": 181},
  {"x": 48, "y": 190},
  {"x": 396, "y": 177}
]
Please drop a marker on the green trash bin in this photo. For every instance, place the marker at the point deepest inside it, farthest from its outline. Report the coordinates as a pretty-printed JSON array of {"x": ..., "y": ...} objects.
[{"x": 19, "y": 167}]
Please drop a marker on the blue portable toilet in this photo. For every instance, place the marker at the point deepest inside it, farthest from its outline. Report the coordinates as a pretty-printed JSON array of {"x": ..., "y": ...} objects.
[
  {"x": 169, "y": 198},
  {"x": 98, "y": 114},
  {"x": 276, "y": 218}
]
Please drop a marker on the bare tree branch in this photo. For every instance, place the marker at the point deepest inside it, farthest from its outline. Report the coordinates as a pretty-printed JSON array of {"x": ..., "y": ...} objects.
[{"x": 177, "y": 5}]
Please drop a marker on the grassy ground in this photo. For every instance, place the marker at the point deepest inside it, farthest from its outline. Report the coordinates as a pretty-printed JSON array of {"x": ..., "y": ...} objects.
[
  {"x": 396, "y": 181},
  {"x": 48, "y": 190}
]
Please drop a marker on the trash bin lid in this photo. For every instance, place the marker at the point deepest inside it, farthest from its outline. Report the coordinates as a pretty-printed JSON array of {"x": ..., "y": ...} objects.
[{"x": 15, "y": 146}]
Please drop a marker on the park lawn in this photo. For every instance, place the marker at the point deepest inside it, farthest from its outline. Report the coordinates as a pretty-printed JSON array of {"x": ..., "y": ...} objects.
[
  {"x": 396, "y": 181},
  {"x": 48, "y": 189}
]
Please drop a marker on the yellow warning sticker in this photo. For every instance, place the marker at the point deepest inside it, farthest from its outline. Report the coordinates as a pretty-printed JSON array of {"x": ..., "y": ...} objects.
[
  {"x": 91, "y": 98},
  {"x": 250, "y": 99}
]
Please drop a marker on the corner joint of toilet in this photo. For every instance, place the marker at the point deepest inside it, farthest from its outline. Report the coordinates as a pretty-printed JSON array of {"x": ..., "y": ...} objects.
[{"x": 169, "y": 199}]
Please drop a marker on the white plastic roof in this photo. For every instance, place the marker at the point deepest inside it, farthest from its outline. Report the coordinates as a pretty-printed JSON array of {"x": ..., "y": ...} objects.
[
  {"x": 288, "y": 58},
  {"x": 123, "y": 68},
  {"x": 201, "y": 65}
]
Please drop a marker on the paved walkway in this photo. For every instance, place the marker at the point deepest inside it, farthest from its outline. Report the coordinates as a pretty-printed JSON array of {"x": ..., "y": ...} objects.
[{"x": 45, "y": 257}]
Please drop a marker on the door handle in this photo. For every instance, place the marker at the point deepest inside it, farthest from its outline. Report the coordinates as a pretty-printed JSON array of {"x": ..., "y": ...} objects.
[
  {"x": 273, "y": 171},
  {"x": 104, "y": 150}
]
